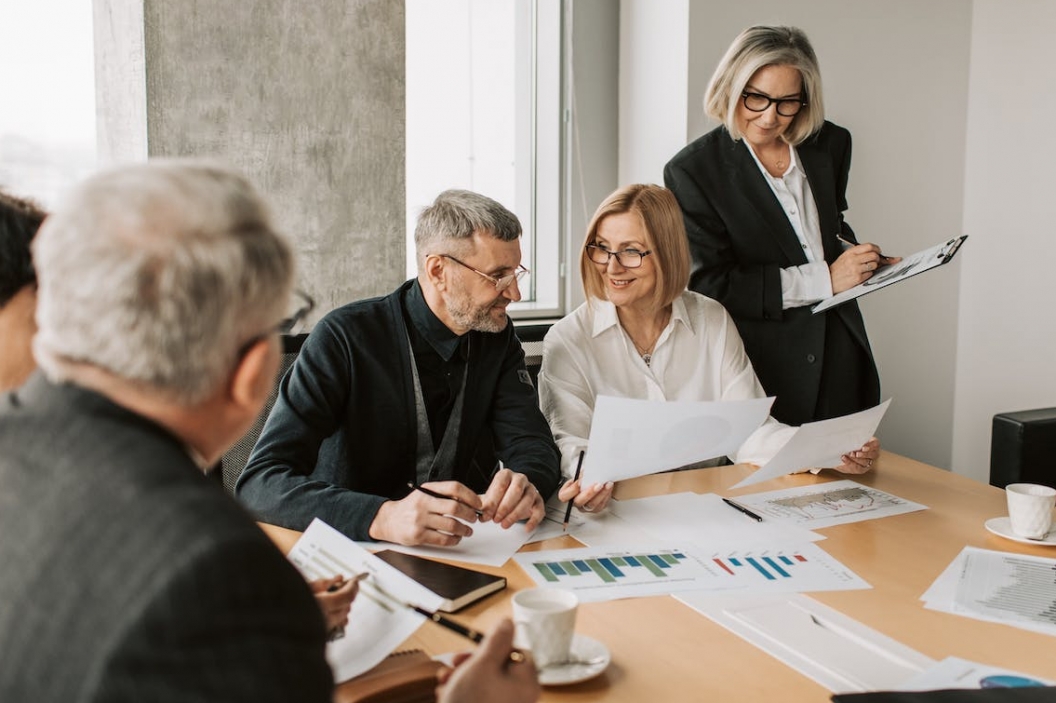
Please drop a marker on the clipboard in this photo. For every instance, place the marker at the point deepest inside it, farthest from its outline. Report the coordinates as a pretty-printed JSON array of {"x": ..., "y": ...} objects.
[{"x": 908, "y": 267}]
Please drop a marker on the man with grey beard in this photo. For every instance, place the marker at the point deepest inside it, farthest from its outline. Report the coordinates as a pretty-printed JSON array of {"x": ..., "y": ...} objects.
[{"x": 391, "y": 423}]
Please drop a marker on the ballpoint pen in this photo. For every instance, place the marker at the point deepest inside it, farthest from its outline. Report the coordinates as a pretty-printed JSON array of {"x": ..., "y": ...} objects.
[
  {"x": 468, "y": 632},
  {"x": 746, "y": 511},
  {"x": 434, "y": 494},
  {"x": 339, "y": 631},
  {"x": 568, "y": 510},
  {"x": 883, "y": 259}
]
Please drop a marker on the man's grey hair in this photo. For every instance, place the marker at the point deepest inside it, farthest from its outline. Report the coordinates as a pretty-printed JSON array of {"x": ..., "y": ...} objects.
[
  {"x": 159, "y": 273},
  {"x": 446, "y": 226}
]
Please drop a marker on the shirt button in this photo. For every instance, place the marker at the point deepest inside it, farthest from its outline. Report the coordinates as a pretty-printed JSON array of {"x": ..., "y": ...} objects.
[
  {"x": 792, "y": 211},
  {"x": 810, "y": 358}
]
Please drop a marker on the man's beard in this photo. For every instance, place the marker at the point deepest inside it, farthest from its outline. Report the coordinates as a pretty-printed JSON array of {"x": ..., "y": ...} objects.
[{"x": 464, "y": 314}]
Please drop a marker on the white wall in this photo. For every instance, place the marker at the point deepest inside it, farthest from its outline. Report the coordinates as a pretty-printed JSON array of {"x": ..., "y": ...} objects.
[
  {"x": 1007, "y": 330},
  {"x": 654, "y": 65}
]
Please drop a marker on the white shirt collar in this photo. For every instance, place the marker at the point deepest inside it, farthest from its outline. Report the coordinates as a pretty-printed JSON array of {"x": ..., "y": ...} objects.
[{"x": 605, "y": 315}]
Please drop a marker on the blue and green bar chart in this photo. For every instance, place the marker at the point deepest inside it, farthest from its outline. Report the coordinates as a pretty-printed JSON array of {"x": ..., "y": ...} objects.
[{"x": 610, "y": 569}]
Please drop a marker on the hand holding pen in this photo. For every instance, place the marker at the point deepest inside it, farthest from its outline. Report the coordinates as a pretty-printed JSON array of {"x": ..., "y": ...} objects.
[
  {"x": 857, "y": 264},
  {"x": 436, "y": 514},
  {"x": 588, "y": 498},
  {"x": 334, "y": 597}
]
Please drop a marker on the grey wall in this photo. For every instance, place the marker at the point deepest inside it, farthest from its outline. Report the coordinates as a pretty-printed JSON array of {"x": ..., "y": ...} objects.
[
  {"x": 307, "y": 98},
  {"x": 593, "y": 153}
]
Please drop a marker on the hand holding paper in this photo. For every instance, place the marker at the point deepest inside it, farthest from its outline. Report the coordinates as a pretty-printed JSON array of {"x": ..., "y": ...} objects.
[
  {"x": 821, "y": 444},
  {"x": 630, "y": 438}
]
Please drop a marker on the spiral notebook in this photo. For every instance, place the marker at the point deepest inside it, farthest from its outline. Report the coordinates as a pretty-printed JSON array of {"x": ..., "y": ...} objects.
[{"x": 457, "y": 585}]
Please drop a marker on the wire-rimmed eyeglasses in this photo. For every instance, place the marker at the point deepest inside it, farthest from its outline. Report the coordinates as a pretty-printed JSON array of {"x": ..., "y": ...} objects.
[
  {"x": 627, "y": 258},
  {"x": 786, "y": 107},
  {"x": 501, "y": 283}
]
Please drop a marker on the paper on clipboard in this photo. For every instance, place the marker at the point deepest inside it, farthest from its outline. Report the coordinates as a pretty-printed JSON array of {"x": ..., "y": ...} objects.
[{"x": 908, "y": 267}]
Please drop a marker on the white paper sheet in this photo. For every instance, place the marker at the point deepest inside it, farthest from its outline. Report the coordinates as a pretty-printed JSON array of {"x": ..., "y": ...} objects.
[
  {"x": 682, "y": 518},
  {"x": 953, "y": 672},
  {"x": 827, "y": 504},
  {"x": 836, "y": 651},
  {"x": 322, "y": 552},
  {"x": 601, "y": 573},
  {"x": 1013, "y": 589},
  {"x": 630, "y": 438},
  {"x": 821, "y": 444},
  {"x": 489, "y": 545},
  {"x": 553, "y": 524},
  {"x": 893, "y": 273}
]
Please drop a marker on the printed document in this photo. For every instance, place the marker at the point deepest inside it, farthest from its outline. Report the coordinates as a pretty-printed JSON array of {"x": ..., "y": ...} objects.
[
  {"x": 630, "y": 438},
  {"x": 820, "y": 444}
]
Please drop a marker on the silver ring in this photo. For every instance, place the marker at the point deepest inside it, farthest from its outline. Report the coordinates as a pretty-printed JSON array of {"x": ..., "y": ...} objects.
[{"x": 588, "y": 509}]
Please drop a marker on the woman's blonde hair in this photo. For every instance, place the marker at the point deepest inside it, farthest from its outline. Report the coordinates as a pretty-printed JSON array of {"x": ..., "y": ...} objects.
[
  {"x": 755, "y": 48},
  {"x": 665, "y": 233}
]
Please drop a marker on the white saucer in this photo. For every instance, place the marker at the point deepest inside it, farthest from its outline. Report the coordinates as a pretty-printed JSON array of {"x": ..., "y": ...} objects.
[
  {"x": 583, "y": 648},
  {"x": 1002, "y": 527}
]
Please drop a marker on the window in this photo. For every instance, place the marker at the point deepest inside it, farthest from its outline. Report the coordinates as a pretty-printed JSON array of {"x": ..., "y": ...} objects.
[
  {"x": 47, "y": 87},
  {"x": 483, "y": 113}
]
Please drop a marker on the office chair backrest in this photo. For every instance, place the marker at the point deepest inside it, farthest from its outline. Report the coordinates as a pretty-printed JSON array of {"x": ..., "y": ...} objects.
[
  {"x": 1023, "y": 448},
  {"x": 531, "y": 337},
  {"x": 234, "y": 461}
]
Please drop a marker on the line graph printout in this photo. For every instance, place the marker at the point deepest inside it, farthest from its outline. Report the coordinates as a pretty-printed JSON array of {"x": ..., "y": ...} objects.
[
  {"x": 605, "y": 574},
  {"x": 827, "y": 504}
]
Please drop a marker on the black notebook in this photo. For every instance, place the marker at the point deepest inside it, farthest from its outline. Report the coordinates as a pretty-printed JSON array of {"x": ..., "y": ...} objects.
[{"x": 457, "y": 585}]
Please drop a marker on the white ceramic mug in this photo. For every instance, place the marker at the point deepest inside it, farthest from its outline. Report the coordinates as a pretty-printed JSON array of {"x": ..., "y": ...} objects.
[
  {"x": 1030, "y": 509},
  {"x": 545, "y": 619}
]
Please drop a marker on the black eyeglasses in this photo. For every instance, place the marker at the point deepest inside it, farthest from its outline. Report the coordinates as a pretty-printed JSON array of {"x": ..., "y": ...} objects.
[
  {"x": 501, "y": 283},
  {"x": 304, "y": 305},
  {"x": 786, "y": 107},
  {"x": 627, "y": 258}
]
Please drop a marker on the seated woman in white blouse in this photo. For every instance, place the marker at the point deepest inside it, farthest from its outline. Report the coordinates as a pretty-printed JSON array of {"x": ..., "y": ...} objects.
[{"x": 641, "y": 334}]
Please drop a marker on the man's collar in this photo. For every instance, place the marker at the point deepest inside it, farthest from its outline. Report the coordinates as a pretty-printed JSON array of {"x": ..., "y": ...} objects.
[{"x": 440, "y": 337}]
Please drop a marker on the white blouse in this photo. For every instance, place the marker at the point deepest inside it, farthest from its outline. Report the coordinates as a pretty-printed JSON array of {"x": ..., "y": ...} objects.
[
  {"x": 698, "y": 356},
  {"x": 810, "y": 282}
]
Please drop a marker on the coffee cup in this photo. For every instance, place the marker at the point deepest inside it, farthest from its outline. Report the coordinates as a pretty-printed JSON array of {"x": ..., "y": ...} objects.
[
  {"x": 1030, "y": 509},
  {"x": 545, "y": 620}
]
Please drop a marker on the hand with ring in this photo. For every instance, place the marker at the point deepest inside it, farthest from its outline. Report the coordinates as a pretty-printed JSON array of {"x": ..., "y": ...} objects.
[{"x": 861, "y": 460}]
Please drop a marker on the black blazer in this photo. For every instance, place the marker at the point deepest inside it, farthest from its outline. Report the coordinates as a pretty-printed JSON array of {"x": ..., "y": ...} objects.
[{"x": 740, "y": 239}]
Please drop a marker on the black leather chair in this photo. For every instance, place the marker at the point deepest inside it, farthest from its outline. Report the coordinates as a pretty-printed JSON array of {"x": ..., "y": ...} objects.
[
  {"x": 1023, "y": 448},
  {"x": 531, "y": 337},
  {"x": 234, "y": 461}
]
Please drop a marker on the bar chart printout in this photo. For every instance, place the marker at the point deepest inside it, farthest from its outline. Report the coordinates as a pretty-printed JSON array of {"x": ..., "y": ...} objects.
[
  {"x": 596, "y": 574},
  {"x": 604, "y": 574}
]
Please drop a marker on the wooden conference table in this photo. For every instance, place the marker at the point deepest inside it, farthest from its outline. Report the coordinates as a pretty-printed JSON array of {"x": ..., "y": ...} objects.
[{"x": 664, "y": 651}]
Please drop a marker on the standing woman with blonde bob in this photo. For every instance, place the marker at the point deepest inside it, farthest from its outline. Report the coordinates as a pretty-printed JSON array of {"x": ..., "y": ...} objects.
[
  {"x": 763, "y": 197},
  {"x": 640, "y": 334}
]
